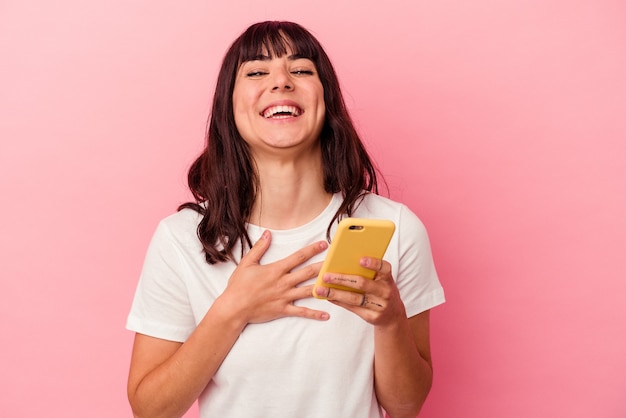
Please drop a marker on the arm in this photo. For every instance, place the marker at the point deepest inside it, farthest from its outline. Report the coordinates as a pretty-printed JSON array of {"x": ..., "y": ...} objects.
[
  {"x": 402, "y": 366},
  {"x": 402, "y": 363},
  {"x": 167, "y": 377}
]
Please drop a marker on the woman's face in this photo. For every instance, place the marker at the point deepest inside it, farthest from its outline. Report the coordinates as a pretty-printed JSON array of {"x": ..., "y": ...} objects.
[{"x": 278, "y": 103}]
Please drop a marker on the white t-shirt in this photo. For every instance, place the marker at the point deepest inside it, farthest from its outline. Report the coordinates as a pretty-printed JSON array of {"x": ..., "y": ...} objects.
[{"x": 289, "y": 367}]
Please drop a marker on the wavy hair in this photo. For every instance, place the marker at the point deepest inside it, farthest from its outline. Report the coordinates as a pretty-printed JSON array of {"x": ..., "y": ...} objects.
[{"x": 223, "y": 179}]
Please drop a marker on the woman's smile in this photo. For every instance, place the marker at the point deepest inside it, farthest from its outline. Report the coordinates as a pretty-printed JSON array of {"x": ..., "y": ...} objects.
[
  {"x": 282, "y": 111},
  {"x": 278, "y": 102}
]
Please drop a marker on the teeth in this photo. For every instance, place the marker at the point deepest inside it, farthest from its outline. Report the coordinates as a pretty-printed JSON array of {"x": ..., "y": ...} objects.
[{"x": 274, "y": 110}]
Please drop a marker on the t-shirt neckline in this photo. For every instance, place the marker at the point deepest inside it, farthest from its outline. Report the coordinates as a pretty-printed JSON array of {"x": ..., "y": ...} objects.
[{"x": 319, "y": 223}]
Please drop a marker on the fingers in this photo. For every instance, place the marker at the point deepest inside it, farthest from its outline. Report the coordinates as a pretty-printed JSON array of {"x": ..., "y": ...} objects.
[
  {"x": 288, "y": 263},
  {"x": 371, "y": 303},
  {"x": 346, "y": 296},
  {"x": 303, "y": 312},
  {"x": 375, "y": 264},
  {"x": 346, "y": 282},
  {"x": 302, "y": 255},
  {"x": 303, "y": 292},
  {"x": 376, "y": 301},
  {"x": 352, "y": 298},
  {"x": 258, "y": 249},
  {"x": 356, "y": 290}
]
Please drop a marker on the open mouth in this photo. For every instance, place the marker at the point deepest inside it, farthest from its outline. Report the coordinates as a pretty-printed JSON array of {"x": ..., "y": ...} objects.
[{"x": 281, "y": 112}]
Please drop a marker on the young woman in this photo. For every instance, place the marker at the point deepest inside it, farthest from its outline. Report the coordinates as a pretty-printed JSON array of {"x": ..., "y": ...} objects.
[{"x": 224, "y": 311}]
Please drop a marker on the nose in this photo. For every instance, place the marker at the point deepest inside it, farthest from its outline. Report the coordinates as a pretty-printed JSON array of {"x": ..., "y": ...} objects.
[{"x": 281, "y": 80}]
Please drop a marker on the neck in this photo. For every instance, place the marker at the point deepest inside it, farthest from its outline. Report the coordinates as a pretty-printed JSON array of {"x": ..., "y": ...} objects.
[{"x": 291, "y": 193}]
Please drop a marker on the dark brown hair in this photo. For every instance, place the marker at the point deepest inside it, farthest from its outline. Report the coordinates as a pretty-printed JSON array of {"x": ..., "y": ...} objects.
[{"x": 223, "y": 179}]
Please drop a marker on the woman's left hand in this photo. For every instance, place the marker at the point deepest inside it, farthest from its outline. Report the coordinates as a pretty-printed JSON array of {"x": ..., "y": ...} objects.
[{"x": 378, "y": 301}]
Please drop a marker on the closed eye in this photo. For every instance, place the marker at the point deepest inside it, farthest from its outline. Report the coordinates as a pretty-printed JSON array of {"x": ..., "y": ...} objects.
[
  {"x": 302, "y": 72},
  {"x": 256, "y": 73}
]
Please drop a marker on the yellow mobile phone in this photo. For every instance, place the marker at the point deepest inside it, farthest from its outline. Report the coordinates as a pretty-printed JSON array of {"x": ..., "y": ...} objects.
[{"x": 355, "y": 238}]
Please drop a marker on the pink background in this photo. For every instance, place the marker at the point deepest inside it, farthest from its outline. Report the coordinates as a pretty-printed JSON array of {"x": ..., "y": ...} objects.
[{"x": 501, "y": 123}]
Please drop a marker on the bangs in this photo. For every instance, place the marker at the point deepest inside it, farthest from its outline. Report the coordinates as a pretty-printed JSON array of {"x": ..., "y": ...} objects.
[{"x": 275, "y": 39}]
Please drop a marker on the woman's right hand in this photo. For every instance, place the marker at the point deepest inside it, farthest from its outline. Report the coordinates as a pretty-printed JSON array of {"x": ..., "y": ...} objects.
[
  {"x": 166, "y": 377},
  {"x": 261, "y": 293}
]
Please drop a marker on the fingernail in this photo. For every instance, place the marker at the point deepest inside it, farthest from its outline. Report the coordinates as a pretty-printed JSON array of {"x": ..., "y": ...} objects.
[
  {"x": 324, "y": 316},
  {"x": 266, "y": 234},
  {"x": 323, "y": 245}
]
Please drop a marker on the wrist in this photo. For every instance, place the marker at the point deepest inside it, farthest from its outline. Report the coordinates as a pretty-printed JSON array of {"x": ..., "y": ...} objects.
[
  {"x": 229, "y": 313},
  {"x": 396, "y": 325}
]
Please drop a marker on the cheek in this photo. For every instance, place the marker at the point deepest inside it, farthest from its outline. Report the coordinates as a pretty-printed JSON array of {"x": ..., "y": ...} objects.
[
  {"x": 244, "y": 100},
  {"x": 239, "y": 118},
  {"x": 239, "y": 96},
  {"x": 239, "y": 108}
]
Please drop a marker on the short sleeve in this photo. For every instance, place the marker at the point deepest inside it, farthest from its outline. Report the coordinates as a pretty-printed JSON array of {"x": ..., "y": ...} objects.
[
  {"x": 161, "y": 306},
  {"x": 417, "y": 278}
]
